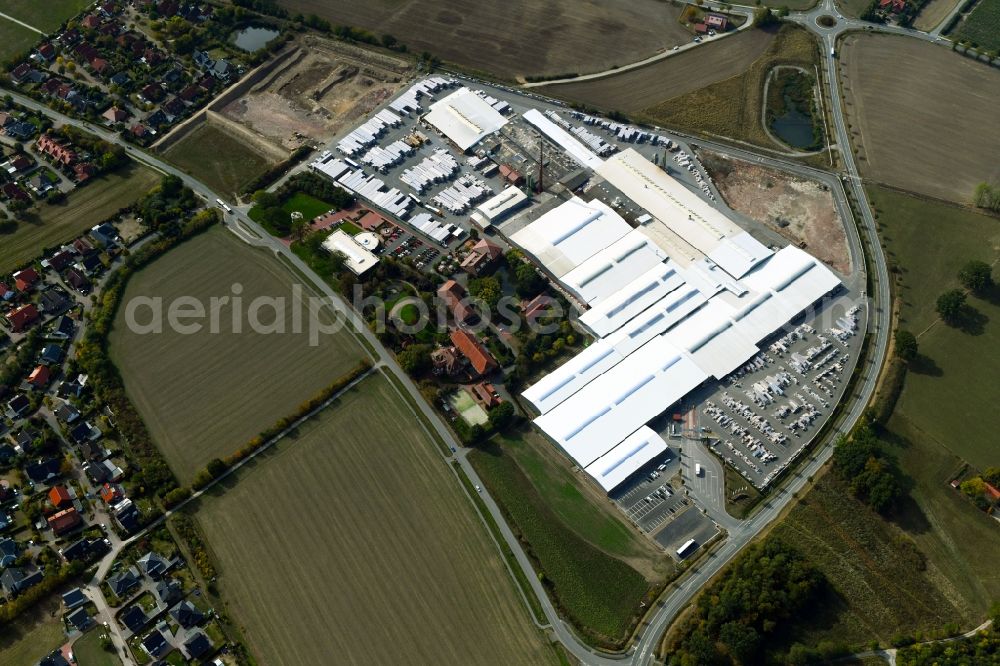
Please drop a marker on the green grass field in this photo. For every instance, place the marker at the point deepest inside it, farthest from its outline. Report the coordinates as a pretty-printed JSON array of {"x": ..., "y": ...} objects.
[
  {"x": 308, "y": 205},
  {"x": 40, "y": 631},
  {"x": 54, "y": 224},
  {"x": 573, "y": 538},
  {"x": 982, "y": 26},
  {"x": 732, "y": 108},
  {"x": 88, "y": 651},
  {"x": 354, "y": 538},
  {"x": 205, "y": 395},
  {"x": 221, "y": 161},
  {"x": 46, "y": 16},
  {"x": 15, "y": 40},
  {"x": 951, "y": 392}
]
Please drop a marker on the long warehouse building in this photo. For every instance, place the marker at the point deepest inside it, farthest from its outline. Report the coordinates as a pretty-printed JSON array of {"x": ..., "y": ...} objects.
[{"x": 683, "y": 299}]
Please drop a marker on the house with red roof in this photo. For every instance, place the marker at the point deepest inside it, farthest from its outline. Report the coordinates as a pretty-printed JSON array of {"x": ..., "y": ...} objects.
[
  {"x": 52, "y": 147},
  {"x": 91, "y": 22},
  {"x": 47, "y": 51},
  {"x": 893, "y": 6},
  {"x": 26, "y": 279},
  {"x": 39, "y": 377},
  {"x": 483, "y": 256},
  {"x": 453, "y": 295},
  {"x": 64, "y": 521},
  {"x": 84, "y": 171},
  {"x": 23, "y": 317},
  {"x": 60, "y": 497},
  {"x": 471, "y": 348},
  {"x": 484, "y": 395},
  {"x": 14, "y": 191}
]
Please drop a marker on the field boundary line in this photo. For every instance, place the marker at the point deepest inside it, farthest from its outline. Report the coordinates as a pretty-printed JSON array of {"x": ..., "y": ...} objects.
[{"x": 22, "y": 24}]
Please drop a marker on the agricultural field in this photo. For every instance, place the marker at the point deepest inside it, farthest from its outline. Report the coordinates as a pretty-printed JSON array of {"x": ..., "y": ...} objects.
[
  {"x": 205, "y": 395},
  {"x": 929, "y": 87},
  {"x": 732, "y": 108},
  {"x": 950, "y": 394},
  {"x": 357, "y": 518},
  {"x": 15, "y": 40},
  {"x": 217, "y": 158},
  {"x": 574, "y": 536},
  {"x": 515, "y": 38},
  {"x": 933, "y": 13},
  {"x": 46, "y": 16},
  {"x": 982, "y": 26},
  {"x": 40, "y": 631},
  {"x": 49, "y": 225},
  {"x": 641, "y": 88}
]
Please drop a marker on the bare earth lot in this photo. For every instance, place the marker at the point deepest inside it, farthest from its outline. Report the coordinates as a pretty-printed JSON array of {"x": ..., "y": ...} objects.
[
  {"x": 922, "y": 124},
  {"x": 771, "y": 196},
  {"x": 641, "y": 88},
  {"x": 204, "y": 395},
  {"x": 322, "y": 89},
  {"x": 53, "y": 224},
  {"x": 521, "y": 37},
  {"x": 353, "y": 544}
]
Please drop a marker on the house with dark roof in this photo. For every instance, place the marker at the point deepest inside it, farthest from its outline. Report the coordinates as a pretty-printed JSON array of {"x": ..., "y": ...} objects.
[
  {"x": 16, "y": 580},
  {"x": 153, "y": 564},
  {"x": 19, "y": 406},
  {"x": 104, "y": 234},
  {"x": 134, "y": 618},
  {"x": 78, "y": 550},
  {"x": 53, "y": 301},
  {"x": 64, "y": 329},
  {"x": 13, "y": 191},
  {"x": 80, "y": 619},
  {"x": 55, "y": 658},
  {"x": 78, "y": 280},
  {"x": 84, "y": 432},
  {"x": 74, "y": 598},
  {"x": 124, "y": 582},
  {"x": 59, "y": 260},
  {"x": 167, "y": 591},
  {"x": 67, "y": 413},
  {"x": 43, "y": 471},
  {"x": 121, "y": 79},
  {"x": 9, "y": 552},
  {"x": 52, "y": 354},
  {"x": 155, "y": 644},
  {"x": 187, "y": 614},
  {"x": 196, "y": 645}
]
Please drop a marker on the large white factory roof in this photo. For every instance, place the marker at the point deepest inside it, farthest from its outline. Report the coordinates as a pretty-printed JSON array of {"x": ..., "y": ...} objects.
[
  {"x": 622, "y": 461},
  {"x": 620, "y": 401},
  {"x": 686, "y": 214},
  {"x": 465, "y": 118},
  {"x": 499, "y": 206},
  {"x": 639, "y": 295},
  {"x": 572, "y": 375},
  {"x": 613, "y": 268},
  {"x": 571, "y": 233}
]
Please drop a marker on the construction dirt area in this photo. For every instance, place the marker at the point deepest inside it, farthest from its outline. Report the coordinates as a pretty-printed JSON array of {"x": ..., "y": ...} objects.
[
  {"x": 322, "y": 88},
  {"x": 799, "y": 209}
]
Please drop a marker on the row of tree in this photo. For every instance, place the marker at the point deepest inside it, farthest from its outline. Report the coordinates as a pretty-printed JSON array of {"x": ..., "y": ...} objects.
[
  {"x": 976, "y": 277},
  {"x": 861, "y": 461}
]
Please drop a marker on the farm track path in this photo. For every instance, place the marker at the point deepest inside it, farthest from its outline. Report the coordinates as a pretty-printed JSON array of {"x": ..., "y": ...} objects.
[{"x": 21, "y": 23}]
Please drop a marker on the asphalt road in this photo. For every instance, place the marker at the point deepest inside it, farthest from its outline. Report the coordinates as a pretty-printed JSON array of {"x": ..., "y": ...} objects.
[{"x": 682, "y": 592}]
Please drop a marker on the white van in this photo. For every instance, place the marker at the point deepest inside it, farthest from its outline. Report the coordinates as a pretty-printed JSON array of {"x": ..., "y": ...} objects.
[{"x": 697, "y": 469}]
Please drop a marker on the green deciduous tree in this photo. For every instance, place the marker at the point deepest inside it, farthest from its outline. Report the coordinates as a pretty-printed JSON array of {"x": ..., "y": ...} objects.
[
  {"x": 906, "y": 345},
  {"x": 976, "y": 276},
  {"x": 950, "y": 305}
]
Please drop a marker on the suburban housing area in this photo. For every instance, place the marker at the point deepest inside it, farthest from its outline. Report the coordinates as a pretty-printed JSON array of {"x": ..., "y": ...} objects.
[{"x": 632, "y": 332}]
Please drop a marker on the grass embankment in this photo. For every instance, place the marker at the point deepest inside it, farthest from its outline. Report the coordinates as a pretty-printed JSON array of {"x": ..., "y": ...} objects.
[
  {"x": 732, "y": 108},
  {"x": 54, "y": 224},
  {"x": 580, "y": 549},
  {"x": 40, "y": 631}
]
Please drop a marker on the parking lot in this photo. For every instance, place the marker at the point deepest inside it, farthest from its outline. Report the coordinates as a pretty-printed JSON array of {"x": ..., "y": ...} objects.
[
  {"x": 648, "y": 499},
  {"x": 688, "y": 525},
  {"x": 760, "y": 418}
]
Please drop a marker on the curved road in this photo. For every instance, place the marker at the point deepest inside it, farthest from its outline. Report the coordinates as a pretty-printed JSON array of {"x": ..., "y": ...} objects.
[{"x": 683, "y": 591}]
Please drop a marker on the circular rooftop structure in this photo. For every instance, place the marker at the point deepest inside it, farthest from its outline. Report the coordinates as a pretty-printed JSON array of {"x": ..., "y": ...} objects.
[{"x": 367, "y": 240}]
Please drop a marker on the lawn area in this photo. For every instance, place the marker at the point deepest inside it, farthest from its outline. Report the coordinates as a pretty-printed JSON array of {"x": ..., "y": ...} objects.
[
  {"x": 308, "y": 205},
  {"x": 204, "y": 395},
  {"x": 31, "y": 637},
  {"x": 55, "y": 224},
  {"x": 574, "y": 537},
  {"x": 15, "y": 40},
  {"x": 982, "y": 26},
  {"x": 951, "y": 392},
  {"x": 223, "y": 162},
  {"x": 354, "y": 538},
  {"x": 732, "y": 108},
  {"x": 88, "y": 651},
  {"x": 46, "y": 16}
]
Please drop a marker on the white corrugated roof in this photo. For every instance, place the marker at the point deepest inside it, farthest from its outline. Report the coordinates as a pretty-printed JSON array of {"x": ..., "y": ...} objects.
[
  {"x": 571, "y": 233},
  {"x": 573, "y": 146},
  {"x": 465, "y": 118},
  {"x": 689, "y": 216},
  {"x": 623, "y": 460},
  {"x": 618, "y": 309},
  {"x": 613, "y": 268},
  {"x": 572, "y": 376},
  {"x": 359, "y": 259}
]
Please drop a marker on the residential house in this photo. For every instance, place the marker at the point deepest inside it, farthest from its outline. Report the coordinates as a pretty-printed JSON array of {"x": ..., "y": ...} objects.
[
  {"x": 60, "y": 497},
  {"x": 64, "y": 329},
  {"x": 84, "y": 171},
  {"x": 196, "y": 646},
  {"x": 52, "y": 354},
  {"x": 54, "y": 658},
  {"x": 84, "y": 432},
  {"x": 16, "y": 580},
  {"x": 484, "y": 394},
  {"x": 74, "y": 598},
  {"x": 26, "y": 279},
  {"x": 78, "y": 281},
  {"x": 60, "y": 260},
  {"x": 124, "y": 582},
  {"x": 467, "y": 344},
  {"x": 717, "y": 22},
  {"x": 152, "y": 92},
  {"x": 153, "y": 564},
  {"x": 80, "y": 619},
  {"x": 537, "y": 307},
  {"x": 134, "y": 618},
  {"x": 47, "y": 51},
  {"x": 23, "y": 317},
  {"x": 167, "y": 591},
  {"x": 155, "y": 644},
  {"x": 67, "y": 413},
  {"x": 115, "y": 114},
  {"x": 12, "y": 191},
  {"x": 64, "y": 521},
  {"x": 52, "y": 147},
  {"x": 111, "y": 494},
  {"x": 19, "y": 406},
  {"x": 446, "y": 361},
  {"x": 104, "y": 234},
  {"x": 9, "y": 552},
  {"x": 453, "y": 294},
  {"x": 40, "y": 377},
  {"x": 43, "y": 471},
  {"x": 481, "y": 258},
  {"x": 187, "y": 614},
  {"x": 53, "y": 301}
]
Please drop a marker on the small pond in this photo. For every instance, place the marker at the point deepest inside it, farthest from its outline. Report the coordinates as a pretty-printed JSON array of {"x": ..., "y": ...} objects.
[
  {"x": 254, "y": 37},
  {"x": 794, "y": 127}
]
